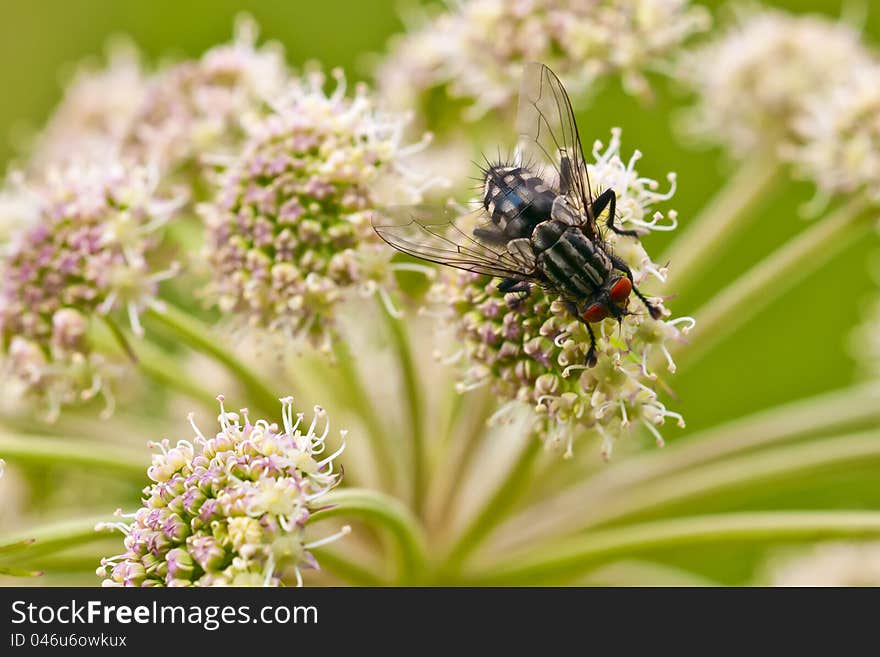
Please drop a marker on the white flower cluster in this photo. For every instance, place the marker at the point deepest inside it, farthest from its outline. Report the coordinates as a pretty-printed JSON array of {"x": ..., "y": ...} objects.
[
  {"x": 753, "y": 80},
  {"x": 184, "y": 111},
  {"x": 289, "y": 230},
  {"x": 85, "y": 257},
  {"x": 96, "y": 113},
  {"x": 837, "y": 136},
  {"x": 477, "y": 49},
  {"x": 535, "y": 352},
  {"x": 198, "y": 108},
  {"x": 230, "y": 510}
]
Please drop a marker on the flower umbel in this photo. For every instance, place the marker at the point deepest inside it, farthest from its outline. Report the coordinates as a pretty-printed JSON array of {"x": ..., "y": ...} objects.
[
  {"x": 535, "y": 352},
  {"x": 477, "y": 50},
  {"x": 198, "y": 108},
  {"x": 232, "y": 509},
  {"x": 838, "y": 135},
  {"x": 97, "y": 111},
  {"x": 85, "y": 256},
  {"x": 289, "y": 231},
  {"x": 752, "y": 81}
]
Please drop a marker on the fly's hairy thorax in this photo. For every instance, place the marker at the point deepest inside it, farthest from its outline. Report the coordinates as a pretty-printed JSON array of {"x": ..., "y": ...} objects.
[
  {"x": 570, "y": 260},
  {"x": 516, "y": 200},
  {"x": 521, "y": 205}
]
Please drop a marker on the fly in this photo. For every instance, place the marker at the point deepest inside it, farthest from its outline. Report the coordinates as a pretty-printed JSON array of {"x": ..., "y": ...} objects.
[{"x": 538, "y": 220}]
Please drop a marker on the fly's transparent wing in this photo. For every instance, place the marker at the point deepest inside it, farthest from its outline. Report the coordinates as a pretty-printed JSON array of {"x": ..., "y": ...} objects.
[
  {"x": 548, "y": 134},
  {"x": 446, "y": 235}
]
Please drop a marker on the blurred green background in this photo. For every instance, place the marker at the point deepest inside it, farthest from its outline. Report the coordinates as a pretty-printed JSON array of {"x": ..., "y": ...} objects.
[{"x": 800, "y": 346}]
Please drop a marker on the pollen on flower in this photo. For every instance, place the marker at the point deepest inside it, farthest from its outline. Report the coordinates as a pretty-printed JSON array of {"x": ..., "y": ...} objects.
[
  {"x": 532, "y": 350},
  {"x": 752, "y": 81},
  {"x": 477, "y": 49},
  {"x": 289, "y": 230},
  {"x": 85, "y": 256},
  {"x": 230, "y": 510}
]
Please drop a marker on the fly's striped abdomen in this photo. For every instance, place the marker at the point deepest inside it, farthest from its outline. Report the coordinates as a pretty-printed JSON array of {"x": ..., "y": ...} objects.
[
  {"x": 516, "y": 200},
  {"x": 571, "y": 262}
]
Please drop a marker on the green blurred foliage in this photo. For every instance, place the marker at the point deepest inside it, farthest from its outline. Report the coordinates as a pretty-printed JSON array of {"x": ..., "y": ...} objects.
[{"x": 799, "y": 346}]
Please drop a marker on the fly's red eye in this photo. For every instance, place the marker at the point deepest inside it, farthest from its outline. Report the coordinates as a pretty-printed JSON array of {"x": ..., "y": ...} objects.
[
  {"x": 595, "y": 313},
  {"x": 620, "y": 290}
]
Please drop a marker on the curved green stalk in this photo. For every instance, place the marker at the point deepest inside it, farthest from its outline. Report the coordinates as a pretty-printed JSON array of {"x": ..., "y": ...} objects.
[
  {"x": 742, "y": 473},
  {"x": 847, "y": 408},
  {"x": 461, "y": 446},
  {"x": 17, "y": 570},
  {"x": 41, "y": 450},
  {"x": 730, "y": 211},
  {"x": 634, "y": 572},
  {"x": 345, "y": 568},
  {"x": 199, "y": 337},
  {"x": 12, "y": 571},
  {"x": 390, "y": 513},
  {"x": 414, "y": 405},
  {"x": 774, "y": 276},
  {"x": 166, "y": 370},
  {"x": 377, "y": 431},
  {"x": 53, "y": 565},
  {"x": 500, "y": 502},
  {"x": 50, "y": 538},
  {"x": 156, "y": 364},
  {"x": 569, "y": 558}
]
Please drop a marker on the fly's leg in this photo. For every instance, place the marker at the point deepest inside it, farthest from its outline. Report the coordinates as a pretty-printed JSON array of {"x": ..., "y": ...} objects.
[
  {"x": 609, "y": 199},
  {"x": 591, "y": 353},
  {"x": 590, "y": 360},
  {"x": 513, "y": 285},
  {"x": 521, "y": 288},
  {"x": 622, "y": 266}
]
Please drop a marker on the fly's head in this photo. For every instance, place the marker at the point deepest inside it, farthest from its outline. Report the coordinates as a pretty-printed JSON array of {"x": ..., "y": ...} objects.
[{"x": 611, "y": 301}]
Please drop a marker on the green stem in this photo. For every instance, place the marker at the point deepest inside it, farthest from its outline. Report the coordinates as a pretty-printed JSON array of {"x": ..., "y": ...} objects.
[
  {"x": 730, "y": 211},
  {"x": 351, "y": 386},
  {"x": 345, "y": 568},
  {"x": 40, "y": 450},
  {"x": 774, "y": 276},
  {"x": 462, "y": 445},
  {"x": 199, "y": 337},
  {"x": 121, "y": 339},
  {"x": 414, "y": 405},
  {"x": 501, "y": 502},
  {"x": 632, "y": 572},
  {"x": 573, "y": 556},
  {"x": 840, "y": 409},
  {"x": 156, "y": 364},
  {"x": 847, "y": 408},
  {"x": 391, "y": 514},
  {"x": 797, "y": 461},
  {"x": 55, "y": 537},
  {"x": 53, "y": 565},
  {"x": 166, "y": 371},
  {"x": 12, "y": 571}
]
